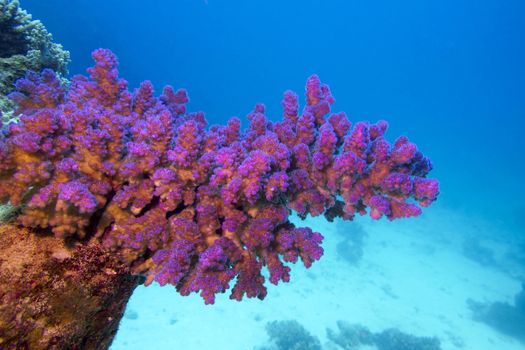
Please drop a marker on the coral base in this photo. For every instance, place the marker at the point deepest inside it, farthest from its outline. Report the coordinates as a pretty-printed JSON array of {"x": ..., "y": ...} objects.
[{"x": 58, "y": 296}]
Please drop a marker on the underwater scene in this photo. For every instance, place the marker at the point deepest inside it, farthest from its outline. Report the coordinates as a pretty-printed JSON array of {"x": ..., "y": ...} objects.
[{"x": 262, "y": 175}]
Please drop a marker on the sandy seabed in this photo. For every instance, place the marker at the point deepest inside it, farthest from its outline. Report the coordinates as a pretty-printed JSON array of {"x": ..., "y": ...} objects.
[{"x": 413, "y": 276}]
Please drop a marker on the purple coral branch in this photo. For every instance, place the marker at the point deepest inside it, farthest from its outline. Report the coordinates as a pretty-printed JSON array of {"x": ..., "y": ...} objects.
[{"x": 192, "y": 206}]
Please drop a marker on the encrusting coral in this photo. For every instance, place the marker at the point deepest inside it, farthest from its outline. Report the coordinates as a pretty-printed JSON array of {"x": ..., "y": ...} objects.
[
  {"x": 192, "y": 206},
  {"x": 25, "y": 45}
]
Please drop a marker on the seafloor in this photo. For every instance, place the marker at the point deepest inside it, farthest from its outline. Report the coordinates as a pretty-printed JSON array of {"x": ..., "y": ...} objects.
[{"x": 417, "y": 275}]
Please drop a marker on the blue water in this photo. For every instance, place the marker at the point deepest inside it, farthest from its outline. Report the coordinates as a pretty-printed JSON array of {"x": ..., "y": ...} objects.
[{"x": 449, "y": 74}]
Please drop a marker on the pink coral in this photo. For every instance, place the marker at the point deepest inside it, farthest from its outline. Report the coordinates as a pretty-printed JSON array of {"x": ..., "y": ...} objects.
[{"x": 191, "y": 206}]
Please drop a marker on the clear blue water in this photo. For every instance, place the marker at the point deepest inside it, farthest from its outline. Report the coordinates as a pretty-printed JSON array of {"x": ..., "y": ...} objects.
[{"x": 449, "y": 74}]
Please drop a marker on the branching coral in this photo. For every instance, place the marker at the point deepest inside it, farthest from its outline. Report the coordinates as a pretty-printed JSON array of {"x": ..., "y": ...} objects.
[
  {"x": 25, "y": 45},
  {"x": 192, "y": 206}
]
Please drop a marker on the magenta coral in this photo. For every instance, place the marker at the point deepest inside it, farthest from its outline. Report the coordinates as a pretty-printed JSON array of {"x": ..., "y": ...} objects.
[{"x": 192, "y": 206}]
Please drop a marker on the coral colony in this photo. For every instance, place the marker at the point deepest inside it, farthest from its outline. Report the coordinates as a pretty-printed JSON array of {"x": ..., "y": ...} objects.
[
  {"x": 25, "y": 45},
  {"x": 192, "y": 206}
]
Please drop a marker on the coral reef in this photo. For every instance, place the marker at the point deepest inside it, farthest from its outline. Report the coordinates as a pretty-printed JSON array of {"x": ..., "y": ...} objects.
[
  {"x": 504, "y": 317},
  {"x": 290, "y": 335},
  {"x": 192, "y": 206},
  {"x": 394, "y": 339},
  {"x": 350, "y": 337},
  {"x": 25, "y": 45},
  {"x": 354, "y": 337}
]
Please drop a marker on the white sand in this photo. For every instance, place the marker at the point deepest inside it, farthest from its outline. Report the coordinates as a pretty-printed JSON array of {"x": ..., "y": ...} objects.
[{"x": 413, "y": 276}]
